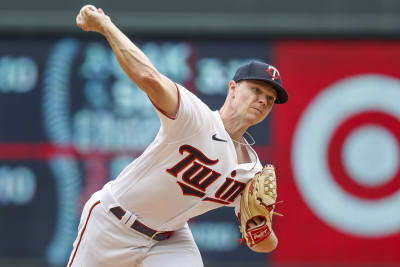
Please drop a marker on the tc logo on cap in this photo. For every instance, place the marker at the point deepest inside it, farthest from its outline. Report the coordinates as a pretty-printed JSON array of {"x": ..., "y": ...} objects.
[{"x": 273, "y": 73}]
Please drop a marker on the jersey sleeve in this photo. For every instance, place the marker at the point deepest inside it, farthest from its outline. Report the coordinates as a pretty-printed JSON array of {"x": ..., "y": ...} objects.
[
  {"x": 245, "y": 177},
  {"x": 236, "y": 206},
  {"x": 192, "y": 115}
]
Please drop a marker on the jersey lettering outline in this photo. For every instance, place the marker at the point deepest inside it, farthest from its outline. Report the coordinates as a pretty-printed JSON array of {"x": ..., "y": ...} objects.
[{"x": 198, "y": 176}]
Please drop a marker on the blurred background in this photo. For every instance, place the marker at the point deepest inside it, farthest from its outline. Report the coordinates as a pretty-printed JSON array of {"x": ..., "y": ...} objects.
[{"x": 71, "y": 120}]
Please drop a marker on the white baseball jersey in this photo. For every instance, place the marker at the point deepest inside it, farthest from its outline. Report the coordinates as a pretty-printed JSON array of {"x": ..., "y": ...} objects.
[{"x": 190, "y": 168}]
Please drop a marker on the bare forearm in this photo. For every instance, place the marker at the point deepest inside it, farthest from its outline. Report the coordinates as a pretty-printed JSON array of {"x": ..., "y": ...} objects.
[{"x": 132, "y": 60}]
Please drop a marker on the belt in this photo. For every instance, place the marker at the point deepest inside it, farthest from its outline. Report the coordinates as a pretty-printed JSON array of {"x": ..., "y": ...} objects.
[{"x": 140, "y": 227}]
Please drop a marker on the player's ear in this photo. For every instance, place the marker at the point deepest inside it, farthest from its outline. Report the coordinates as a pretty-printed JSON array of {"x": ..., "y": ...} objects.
[{"x": 232, "y": 88}]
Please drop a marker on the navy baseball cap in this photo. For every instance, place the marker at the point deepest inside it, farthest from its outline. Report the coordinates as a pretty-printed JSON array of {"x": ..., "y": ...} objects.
[{"x": 256, "y": 70}]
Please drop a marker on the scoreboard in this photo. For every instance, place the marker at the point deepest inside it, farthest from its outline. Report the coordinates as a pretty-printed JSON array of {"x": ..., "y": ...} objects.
[{"x": 72, "y": 120}]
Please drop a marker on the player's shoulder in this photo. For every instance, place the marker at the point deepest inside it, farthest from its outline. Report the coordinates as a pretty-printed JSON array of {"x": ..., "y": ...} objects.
[
  {"x": 184, "y": 91},
  {"x": 190, "y": 96}
]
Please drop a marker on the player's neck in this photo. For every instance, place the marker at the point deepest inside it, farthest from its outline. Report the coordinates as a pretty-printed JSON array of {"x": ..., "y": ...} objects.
[{"x": 233, "y": 126}]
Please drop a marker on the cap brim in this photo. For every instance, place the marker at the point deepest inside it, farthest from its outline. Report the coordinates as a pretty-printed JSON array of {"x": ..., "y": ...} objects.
[{"x": 282, "y": 96}]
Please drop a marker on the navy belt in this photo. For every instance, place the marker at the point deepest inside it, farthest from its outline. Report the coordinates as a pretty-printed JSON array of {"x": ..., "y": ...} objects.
[{"x": 140, "y": 227}]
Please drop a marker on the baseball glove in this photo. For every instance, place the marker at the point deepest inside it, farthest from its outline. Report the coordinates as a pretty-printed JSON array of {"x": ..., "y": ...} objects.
[{"x": 257, "y": 206}]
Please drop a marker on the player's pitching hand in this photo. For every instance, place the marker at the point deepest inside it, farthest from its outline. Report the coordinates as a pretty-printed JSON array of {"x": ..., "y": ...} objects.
[{"x": 91, "y": 18}]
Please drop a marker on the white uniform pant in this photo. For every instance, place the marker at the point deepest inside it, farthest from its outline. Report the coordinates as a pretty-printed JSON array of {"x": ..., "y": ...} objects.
[{"x": 103, "y": 241}]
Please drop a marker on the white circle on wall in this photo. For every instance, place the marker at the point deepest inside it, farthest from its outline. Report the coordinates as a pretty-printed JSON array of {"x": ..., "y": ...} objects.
[{"x": 371, "y": 155}]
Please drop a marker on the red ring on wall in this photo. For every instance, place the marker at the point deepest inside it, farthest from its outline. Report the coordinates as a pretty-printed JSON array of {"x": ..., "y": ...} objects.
[{"x": 335, "y": 160}]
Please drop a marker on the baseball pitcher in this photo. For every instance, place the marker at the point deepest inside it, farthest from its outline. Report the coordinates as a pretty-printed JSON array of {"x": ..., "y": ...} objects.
[{"x": 198, "y": 161}]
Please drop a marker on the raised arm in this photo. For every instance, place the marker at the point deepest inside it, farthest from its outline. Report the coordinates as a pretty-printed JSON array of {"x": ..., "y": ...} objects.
[{"x": 160, "y": 89}]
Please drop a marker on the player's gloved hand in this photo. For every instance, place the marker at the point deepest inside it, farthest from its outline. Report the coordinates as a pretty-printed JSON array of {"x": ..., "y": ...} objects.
[
  {"x": 257, "y": 206},
  {"x": 91, "y": 18}
]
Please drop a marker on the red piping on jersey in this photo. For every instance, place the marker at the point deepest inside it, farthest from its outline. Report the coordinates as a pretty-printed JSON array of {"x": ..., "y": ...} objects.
[
  {"x": 83, "y": 231},
  {"x": 177, "y": 106}
]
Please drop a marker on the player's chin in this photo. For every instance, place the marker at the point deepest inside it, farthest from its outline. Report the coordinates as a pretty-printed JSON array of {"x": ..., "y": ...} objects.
[{"x": 254, "y": 119}]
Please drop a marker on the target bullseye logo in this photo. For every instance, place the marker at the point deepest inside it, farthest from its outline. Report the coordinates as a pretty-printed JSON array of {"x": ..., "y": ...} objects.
[
  {"x": 346, "y": 155},
  {"x": 363, "y": 154}
]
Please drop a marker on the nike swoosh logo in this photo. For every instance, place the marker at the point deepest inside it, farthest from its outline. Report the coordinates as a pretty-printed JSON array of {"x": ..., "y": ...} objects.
[{"x": 215, "y": 138}]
